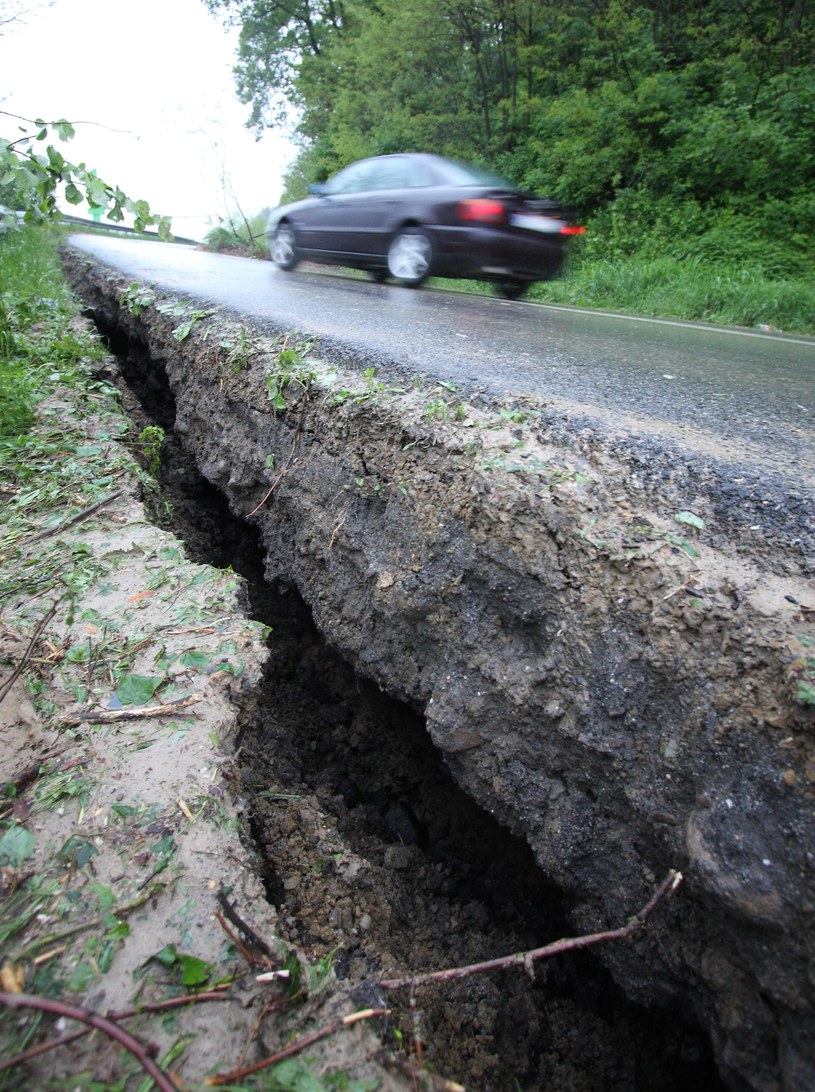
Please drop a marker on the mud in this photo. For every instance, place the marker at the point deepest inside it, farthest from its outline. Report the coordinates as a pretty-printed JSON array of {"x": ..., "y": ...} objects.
[{"x": 620, "y": 698}]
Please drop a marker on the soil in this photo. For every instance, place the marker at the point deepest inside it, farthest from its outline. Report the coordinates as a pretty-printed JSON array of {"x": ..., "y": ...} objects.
[
  {"x": 611, "y": 684},
  {"x": 371, "y": 852}
]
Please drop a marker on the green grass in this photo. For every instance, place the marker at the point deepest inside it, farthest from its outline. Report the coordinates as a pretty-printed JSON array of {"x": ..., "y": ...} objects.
[
  {"x": 239, "y": 233},
  {"x": 691, "y": 289},
  {"x": 39, "y": 349}
]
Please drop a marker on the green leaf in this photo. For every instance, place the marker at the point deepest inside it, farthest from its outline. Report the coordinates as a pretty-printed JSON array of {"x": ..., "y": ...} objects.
[
  {"x": 683, "y": 544},
  {"x": 64, "y": 129},
  {"x": 690, "y": 519},
  {"x": 166, "y": 956},
  {"x": 16, "y": 845},
  {"x": 183, "y": 331},
  {"x": 198, "y": 660},
  {"x": 77, "y": 852},
  {"x": 137, "y": 689},
  {"x": 194, "y": 972}
]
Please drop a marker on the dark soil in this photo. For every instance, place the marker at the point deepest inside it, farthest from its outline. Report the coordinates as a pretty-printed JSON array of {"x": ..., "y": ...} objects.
[{"x": 378, "y": 861}]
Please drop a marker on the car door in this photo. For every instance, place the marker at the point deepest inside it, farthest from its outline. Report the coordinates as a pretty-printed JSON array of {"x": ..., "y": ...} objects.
[{"x": 334, "y": 225}]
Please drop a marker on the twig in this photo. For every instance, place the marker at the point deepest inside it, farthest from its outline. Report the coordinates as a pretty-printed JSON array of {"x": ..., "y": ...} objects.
[
  {"x": 297, "y": 1046},
  {"x": 110, "y": 716},
  {"x": 126, "y": 1014},
  {"x": 232, "y": 915},
  {"x": 120, "y": 911},
  {"x": 404, "y": 1065},
  {"x": 85, "y": 1016},
  {"x": 557, "y": 947},
  {"x": 20, "y": 668},
  {"x": 27, "y": 776},
  {"x": 84, "y": 514}
]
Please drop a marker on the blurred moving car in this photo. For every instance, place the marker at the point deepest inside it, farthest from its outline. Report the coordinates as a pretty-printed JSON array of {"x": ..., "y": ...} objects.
[{"x": 412, "y": 216}]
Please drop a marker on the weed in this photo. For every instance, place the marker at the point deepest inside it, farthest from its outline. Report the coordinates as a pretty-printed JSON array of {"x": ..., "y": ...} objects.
[
  {"x": 293, "y": 366},
  {"x": 151, "y": 439},
  {"x": 137, "y": 298}
]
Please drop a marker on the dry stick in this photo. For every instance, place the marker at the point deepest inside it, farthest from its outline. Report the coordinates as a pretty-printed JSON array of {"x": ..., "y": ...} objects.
[
  {"x": 84, "y": 1016},
  {"x": 557, "y": 947},
  {"x": 232, "y": 915},
  {"x": 404, "y": 1065},
  {"x": 20, "y": 668},
  {"x": 126, "y": 1014},
  {"x": 78, "y": 517},
  {"x": 296, "y": 1047},
  {"x": 110, "y": 716},
  {"x": 20, "y": 781}
]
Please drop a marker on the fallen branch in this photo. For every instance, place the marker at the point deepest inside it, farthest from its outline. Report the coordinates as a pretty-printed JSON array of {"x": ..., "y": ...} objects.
[
  {"x": 557, "y": 947},
  {"x": 125, "y": 1014},
  {"x": 85, "y": 1016},
  {"x": 271, "y": 958},
  {"x": 419, "y": 1077},
  {"x": 27, "y": 776},
  {"x": 21, "y": 666},
  {"x": 84, "y": 514},
  {"x": 119, "y": 911},
  {"x": 141, "y": 712},
  {"x": 297, "y": 1046}
]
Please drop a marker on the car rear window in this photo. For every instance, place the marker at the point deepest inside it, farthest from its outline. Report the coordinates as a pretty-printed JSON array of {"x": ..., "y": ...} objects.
[{"x": 465, "y": 174}]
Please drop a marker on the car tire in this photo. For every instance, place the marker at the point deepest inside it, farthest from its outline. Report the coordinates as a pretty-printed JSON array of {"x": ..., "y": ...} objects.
[
  {"x": 410, "y": 257},
  {"x": 283, "y": 247},
  {"x": 512, "y": 289}
]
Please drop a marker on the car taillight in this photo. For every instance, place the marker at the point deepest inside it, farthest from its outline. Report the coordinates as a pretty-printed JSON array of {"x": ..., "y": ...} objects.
[
  {"x": 484, "y": 210},
  {"x": 569, "y": 229}
]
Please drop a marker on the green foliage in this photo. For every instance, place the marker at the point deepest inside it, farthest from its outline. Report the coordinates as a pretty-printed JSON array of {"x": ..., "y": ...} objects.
[
  {"x": 682, "y": 134},
  {"x": 239, "y": 233},
  {"x": 151, "y": 438},
  {"x": 32, "y": 172},
  {"x": 37, "y": 348}
]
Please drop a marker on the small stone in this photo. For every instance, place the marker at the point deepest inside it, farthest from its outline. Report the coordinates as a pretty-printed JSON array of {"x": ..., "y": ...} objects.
[
  {"x": 398, "y": 858},
  {"x": 789, "y": 777}
]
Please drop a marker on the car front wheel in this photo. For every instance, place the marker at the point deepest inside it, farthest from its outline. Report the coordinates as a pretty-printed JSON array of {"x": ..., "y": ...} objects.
[
  {"x": 410, "y": 257},
  {"x": 284, "y": 247}
]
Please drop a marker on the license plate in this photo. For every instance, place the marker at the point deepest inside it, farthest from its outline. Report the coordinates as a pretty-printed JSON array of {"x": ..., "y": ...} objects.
[{"x": 536, "y": 223}]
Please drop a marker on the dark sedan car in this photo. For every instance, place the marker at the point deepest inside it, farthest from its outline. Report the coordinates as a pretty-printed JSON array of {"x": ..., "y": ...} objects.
[{"x": 412, "y": 216}]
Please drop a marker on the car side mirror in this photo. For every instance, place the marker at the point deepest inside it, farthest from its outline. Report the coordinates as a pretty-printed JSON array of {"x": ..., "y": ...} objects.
[{"x": 319, "y": 189}]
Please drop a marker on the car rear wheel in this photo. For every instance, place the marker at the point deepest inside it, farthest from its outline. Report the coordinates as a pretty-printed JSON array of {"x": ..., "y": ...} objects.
[
  {"x": 284, "y": 247},
  {"x": 410, "y": 257}
]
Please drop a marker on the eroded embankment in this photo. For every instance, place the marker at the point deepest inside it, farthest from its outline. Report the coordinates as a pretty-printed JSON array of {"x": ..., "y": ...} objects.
[{"x": 605, "y": 683}]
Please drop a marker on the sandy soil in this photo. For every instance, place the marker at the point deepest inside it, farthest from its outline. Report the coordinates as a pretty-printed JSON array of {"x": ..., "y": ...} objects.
[{"x": 126, "y": 880}]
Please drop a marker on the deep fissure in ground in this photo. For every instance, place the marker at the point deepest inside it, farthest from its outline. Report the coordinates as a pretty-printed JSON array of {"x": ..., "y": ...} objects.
[{"x": 373, "y": 855}]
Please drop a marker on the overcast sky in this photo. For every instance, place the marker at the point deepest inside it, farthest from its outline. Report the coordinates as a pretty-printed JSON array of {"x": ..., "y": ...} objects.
[{"x": 153, "y": 85}]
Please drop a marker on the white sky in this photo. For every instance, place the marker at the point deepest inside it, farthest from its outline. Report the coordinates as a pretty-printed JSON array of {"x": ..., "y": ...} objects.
[{"x": 159, "y": 73}]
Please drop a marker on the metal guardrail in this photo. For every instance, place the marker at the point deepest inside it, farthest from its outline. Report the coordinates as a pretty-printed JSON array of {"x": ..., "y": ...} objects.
[{"x": 81, "y": 221}]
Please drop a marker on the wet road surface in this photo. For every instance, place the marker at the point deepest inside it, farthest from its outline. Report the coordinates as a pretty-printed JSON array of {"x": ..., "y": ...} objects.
[{"x": 736, "y": 396}]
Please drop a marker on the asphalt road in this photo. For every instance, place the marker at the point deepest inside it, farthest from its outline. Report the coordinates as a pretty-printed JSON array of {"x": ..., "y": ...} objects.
[{"x": 743, "y": 400}]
